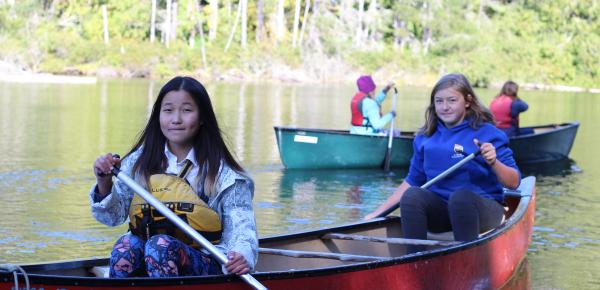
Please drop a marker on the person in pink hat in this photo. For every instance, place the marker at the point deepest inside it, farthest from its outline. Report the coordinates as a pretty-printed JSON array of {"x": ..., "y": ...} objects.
[{"x": 366, "y": 108}]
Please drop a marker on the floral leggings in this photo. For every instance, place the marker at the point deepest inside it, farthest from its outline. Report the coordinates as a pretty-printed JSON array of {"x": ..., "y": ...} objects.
[{"x": 160, "y": 256}]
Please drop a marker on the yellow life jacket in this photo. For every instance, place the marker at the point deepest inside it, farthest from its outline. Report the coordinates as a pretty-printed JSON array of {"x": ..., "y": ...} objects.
[{"x": 175, "y": 193}]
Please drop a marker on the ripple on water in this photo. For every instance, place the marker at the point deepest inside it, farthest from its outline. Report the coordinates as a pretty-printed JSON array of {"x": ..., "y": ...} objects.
[
  {"x": 83, "y": 236},
  {"x": 299, "y": 221},
  {"x": 264, "y": 204}
]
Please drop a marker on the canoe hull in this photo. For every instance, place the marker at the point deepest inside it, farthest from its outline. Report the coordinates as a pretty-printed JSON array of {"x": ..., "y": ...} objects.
[
  {"x": 547, "y": 146},
  {"x": 321, "y": 149},
  {"x": 302, "y": 148},
  {"x": 487, "y": 263}
]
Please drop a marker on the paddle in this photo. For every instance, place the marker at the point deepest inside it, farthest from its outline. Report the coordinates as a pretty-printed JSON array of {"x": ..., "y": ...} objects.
[
  {"x": 388, "y": 153},
  {"x": 143, "y": 193},
  {"x": 437, "y": 178}
]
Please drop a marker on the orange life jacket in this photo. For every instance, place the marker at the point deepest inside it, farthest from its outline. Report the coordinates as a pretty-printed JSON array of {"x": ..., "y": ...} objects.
[
  {"x": 356, "y": 109},
  {"x": 500, "y": 108}
]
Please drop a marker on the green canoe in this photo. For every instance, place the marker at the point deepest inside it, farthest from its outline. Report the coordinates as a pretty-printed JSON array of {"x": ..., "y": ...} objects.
[
  {"x": 302, "y": 148},
  {"x": 322, "y": 148}
]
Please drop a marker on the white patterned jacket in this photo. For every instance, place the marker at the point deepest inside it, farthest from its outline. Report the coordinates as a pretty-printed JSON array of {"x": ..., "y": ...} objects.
[{"x": 233, "y": 203}]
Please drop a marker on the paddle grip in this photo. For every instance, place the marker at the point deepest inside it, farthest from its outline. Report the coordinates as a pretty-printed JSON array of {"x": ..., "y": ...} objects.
[{"x": 115, "y": 173}]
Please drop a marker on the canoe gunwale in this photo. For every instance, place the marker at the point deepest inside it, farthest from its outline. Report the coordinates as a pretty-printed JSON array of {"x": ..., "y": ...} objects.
[
  {"x": 403, "y": 134},
  {"x": 555, "y": 128},
  {"x": 517, "y": 217}
]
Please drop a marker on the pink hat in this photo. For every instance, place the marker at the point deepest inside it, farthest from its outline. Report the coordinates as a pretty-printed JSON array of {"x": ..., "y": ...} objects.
[{"x": 365, "y": 84}]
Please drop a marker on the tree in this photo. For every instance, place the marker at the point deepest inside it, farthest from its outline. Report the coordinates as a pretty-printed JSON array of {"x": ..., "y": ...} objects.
[
  {"x": 304, "y": 21},
  {"x": 234, "y": 27},
  {"x": 214, "y": 19},
  {"x": 280, "y": 25},
  {"x": 359, "y": 24},
  {"x": 153, "y": 21},
  {"x": 167, "y": 24},
  {"x": 105, "y": 23},
  {"x": 296, "y": 22},
  {"x": 259, "y": 20},
  {"x": 244, "y": 11}
]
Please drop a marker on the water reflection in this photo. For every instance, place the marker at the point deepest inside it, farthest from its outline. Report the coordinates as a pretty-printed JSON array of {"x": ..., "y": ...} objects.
[
  {"x": 318, "y": 198},
  {"x": 521, "y": 280},
  {"x": 562, "y": 167}
]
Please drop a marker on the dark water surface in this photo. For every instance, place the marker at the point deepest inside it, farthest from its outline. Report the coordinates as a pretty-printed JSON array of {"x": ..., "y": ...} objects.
[{"x": 51, "y": 134}]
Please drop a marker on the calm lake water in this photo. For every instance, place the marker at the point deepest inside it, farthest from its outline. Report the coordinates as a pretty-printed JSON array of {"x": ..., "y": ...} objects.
[{"x": 51, "y": 134}]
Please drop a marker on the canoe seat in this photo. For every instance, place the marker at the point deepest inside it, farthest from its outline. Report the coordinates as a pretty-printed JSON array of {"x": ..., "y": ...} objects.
[
  {"x": 100, "y": 271},
  {"x": 399, "y": 241},
  {"x": 443, "y": 236},
  {"x": 322, "y": 255}
]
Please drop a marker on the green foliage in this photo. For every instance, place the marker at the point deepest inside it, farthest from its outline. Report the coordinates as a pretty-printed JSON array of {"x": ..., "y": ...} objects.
[{"x": 490, "y": 41}]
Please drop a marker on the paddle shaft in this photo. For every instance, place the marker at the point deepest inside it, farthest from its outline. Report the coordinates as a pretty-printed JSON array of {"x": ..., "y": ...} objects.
[
  {"x": 143, "y": 193},
  {"x": 435, "y": 179},
  {"x": 388, "y": 153}
]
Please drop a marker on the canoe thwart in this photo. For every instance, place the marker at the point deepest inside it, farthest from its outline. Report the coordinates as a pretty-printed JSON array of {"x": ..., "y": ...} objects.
[
  {"x": 400, "y": 241},
  {"x": 323, "y": 255}
]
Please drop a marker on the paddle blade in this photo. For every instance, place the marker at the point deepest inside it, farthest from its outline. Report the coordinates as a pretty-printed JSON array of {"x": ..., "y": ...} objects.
[{"x": 388, "y": 159}]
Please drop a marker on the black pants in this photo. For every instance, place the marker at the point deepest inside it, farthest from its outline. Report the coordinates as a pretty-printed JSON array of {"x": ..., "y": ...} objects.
[{"x": 465, "y": 213}]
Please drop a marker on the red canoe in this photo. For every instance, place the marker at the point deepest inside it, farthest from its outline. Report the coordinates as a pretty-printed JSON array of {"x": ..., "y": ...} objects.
[{"x": 363, "y": 255}]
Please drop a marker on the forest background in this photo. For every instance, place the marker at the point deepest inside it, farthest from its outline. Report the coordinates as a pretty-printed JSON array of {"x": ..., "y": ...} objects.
[{"x": 411, "y": 42}]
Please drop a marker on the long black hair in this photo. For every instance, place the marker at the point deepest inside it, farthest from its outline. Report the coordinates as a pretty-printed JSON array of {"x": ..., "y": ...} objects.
[
  {"x": 476, "y": 111},
  {"x": 209, "y": 147}
]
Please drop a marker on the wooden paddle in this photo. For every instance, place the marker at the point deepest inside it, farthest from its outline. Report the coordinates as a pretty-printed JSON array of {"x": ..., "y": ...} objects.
[
  {"x": 388, "y": 153},
  {"x": 143, "y": 193},
  {"x": 437, "y": 178}
]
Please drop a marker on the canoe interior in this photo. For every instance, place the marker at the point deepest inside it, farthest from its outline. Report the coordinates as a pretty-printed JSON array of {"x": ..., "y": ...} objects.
[{"x": 389, "y": 227}]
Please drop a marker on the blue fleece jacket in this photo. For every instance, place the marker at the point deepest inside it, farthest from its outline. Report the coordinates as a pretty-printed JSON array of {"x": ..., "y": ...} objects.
[{"x": 434, "y": 154}]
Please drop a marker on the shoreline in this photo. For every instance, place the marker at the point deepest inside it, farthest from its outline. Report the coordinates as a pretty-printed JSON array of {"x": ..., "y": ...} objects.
[
  {"x": 48, "y": 78},
  {"x": 45, "y": 78}
]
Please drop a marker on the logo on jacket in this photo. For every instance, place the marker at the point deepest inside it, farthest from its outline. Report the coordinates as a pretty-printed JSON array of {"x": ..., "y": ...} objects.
[{"x": 458, "y": 151}]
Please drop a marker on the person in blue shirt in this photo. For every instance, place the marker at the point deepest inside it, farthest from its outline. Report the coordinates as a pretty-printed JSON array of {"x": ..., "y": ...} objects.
[
  {"x": 366, "y": 108},
  {"x": 469, "y": 200}
]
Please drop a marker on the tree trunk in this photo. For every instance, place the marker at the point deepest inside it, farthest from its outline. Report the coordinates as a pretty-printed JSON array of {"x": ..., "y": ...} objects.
[
  {"x": 153, "y": 22},
  {"x": 427, "y": 31},
  {"x": 304, "y": 21},
  {"x": 214, "y": 19},
  {"x": 398, "y": 25},
  {"x": 244, "y": 12},
  {"x": 296, "y": 22},
  {"x": 280, "y": 29},
  {"x": 235, "y": 23},
  {"x": 359, "y": 26},
  {"x": 167, "y": 24},
  {"x": 174, "y": 20},
  {"x": 201, "y": 29},
  {"x": 479, "y": 14},
  {"x": 105, "y": 22},
  {"x": 372, "y": 19},
  {"x": 47, "y": 4},
  {"x": 259, "y": 20}
]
